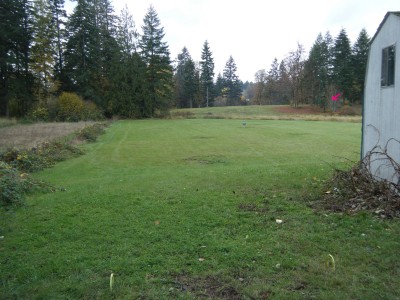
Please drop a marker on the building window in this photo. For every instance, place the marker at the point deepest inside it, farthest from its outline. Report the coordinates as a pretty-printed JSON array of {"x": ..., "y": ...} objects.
[{"x": 388, "y": 62}]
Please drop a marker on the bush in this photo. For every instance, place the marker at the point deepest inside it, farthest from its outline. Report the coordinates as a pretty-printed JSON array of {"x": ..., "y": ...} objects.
[
  {"x": 39, "y": 113},
  {"x": 70, "y": 107},
  {"x": 38, "y": 158},
  {"x": 12, "y": 185},
  {"x": 92, "y": 112},
  {"x": 90, "y": 133}
]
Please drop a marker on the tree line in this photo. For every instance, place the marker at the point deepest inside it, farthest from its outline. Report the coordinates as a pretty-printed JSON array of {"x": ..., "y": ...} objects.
[
  {"x": 101, "y": 58},
  {"x": 333, "y": 67}
]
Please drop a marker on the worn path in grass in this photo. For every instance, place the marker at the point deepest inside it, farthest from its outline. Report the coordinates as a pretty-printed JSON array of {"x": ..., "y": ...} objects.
[{"x": 188, "y": 209}]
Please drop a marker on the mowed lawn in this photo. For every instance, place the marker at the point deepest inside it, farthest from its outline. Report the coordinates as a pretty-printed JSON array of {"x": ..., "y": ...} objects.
[{"x": 188, "y": 209}]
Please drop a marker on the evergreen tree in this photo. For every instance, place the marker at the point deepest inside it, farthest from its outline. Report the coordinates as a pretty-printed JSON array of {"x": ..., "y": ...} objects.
[
  {"x": 295, "y": 66},
  {"x": 109, "y": 51},
  {"x": 317, "y": 72},
  {"x": 232, "y": 83},
  {"x": 207, "y": 73},
  {"x": 284, "y": 83},
  {"x": 272, "y": 83},
  {"x": 42, "y": 52},
  {"x": 260, "y": 86},
  {"x": 155, "y": 54},
  {"x": 219, "y": 85},
  {"x": 15, "y": 43},
  {"x": 58, "y": 21},
  {"x": 126, "y": 32},
  {"x": 342, "y": 70},
  {"x": 82, "y": 50},
  {"x": 359, "y": 64},
  {"x": 128, "y": 84},
  {"x": 185, "y": 80}
]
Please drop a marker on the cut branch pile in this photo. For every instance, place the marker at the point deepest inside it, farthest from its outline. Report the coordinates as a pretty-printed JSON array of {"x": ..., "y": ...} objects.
[{"x": 358, "y": 189}]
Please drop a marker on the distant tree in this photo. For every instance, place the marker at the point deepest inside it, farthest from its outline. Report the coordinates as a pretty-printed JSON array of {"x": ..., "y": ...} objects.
[
  {"x": 126, "y": 32},
  {"x": 260, "y": 85},
  {"x": 295, "y": 65},
  {"x": 317, "y": 73},
  {"x": 272, "y": 83},
  {"x": 59, "y": 16},
  {"x": 43, "y": 51},
  {"x": 342, "y": 67},
  {"x": 359, "y": 65},
  {"x": 232, "y": 84},
  {"x": 284, "y": 85},
  {"x": 207, "y": 74},
  {"x": 15, "y": 43},
  {"x": 155, "y": 54},
  {"x": 82, "y": 52},
  {"x": 185, "y": 80}
]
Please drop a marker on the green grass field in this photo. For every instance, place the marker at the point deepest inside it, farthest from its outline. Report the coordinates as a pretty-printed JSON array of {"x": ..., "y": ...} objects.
[{"x": 187, "y": 209}]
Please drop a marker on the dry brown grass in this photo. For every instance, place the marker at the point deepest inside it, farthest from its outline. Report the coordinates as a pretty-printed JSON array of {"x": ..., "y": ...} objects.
[{"x": 23, "y": 136}]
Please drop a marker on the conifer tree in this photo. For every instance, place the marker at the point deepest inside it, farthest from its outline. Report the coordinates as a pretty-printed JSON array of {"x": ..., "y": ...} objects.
[
  {"x": 207, "y": 74},
  {"x": 59, "y": 16},
  {"x": 342, "y": 70},
  {"x": 15, "y": 43},
  {"x": 359, "y": 64},
  {"x": 317, "y": 72},
  {"x": 185, "y": 80},
  {"x": 42, "y": 52},
  {"x": 232, "y": 82},
  {"x": 155, "y": 54},
  {"x": 82, "y": 50}
]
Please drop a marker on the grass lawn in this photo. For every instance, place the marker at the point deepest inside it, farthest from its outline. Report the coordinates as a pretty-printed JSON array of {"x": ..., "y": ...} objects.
[{"x": 188, "y": 208}]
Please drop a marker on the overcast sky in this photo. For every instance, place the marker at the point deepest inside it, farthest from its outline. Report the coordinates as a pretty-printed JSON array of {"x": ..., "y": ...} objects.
[{"x": 254, "y": 32}]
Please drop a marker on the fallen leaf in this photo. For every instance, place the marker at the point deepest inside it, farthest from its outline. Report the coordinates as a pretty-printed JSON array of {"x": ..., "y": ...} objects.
[
  {"x": 157, "y": 222},
  {"x": 202, "y": 259}
]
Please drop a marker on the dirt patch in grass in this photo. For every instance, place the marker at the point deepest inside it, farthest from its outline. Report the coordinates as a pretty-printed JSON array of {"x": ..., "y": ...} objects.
[
  {"x": 206, "y": 160},
  {"x": 31, "y": 135},
  {"x": 252, "y": 207},
  {"x": 208, "y": 287}
]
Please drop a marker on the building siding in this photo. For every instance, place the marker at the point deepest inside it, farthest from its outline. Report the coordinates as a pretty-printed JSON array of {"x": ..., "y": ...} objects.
[{"x": 381, "y": 119}]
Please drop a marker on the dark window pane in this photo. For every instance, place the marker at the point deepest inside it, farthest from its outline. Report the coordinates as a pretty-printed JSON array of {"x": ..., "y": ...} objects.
[
  {"x": 388, "y": 66},
  {"x": 391, "y": 63},
  {"x": 384, "y": 67}
]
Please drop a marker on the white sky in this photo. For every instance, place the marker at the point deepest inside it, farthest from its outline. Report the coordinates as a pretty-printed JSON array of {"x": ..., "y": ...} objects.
[{"x": 254, "y": 32}]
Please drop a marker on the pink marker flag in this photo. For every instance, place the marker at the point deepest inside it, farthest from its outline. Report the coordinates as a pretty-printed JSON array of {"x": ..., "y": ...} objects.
[{"x": 336, "y": 97}]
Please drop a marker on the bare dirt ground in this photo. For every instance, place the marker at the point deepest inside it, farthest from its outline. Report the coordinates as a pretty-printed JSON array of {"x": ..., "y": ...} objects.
[{"x": 30, "y": 135}]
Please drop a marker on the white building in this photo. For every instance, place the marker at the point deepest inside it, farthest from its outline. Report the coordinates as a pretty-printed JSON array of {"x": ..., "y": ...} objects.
[{"x": 381, "y": 110}]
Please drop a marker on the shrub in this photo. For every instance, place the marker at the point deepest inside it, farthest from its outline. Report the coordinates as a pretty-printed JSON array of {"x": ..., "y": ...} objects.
[
  {"x": 70, "y": 107},
  {"x": 38, "y": 158},
  {"x": 39, "y": 113},
  {"x": 12, "y": 186},
  {"x": 92, "y": 112},
  {"x": 90, "y": 133}
]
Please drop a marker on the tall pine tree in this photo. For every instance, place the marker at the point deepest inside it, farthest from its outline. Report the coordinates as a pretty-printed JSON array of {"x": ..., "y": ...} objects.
[
  {"x": 82, "y": 50},
  {"x": 15, "y": 42},
  {"x": 155, "y": 54},
  {"x": 232, "y": 84},
  {"x": 43, "y": 51},
  {"x": 185, "y": 80},
  {"x": 207, "y": 74},
  {"x": 342, "y": 68},
  {"x": 359, "y": 64}
]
